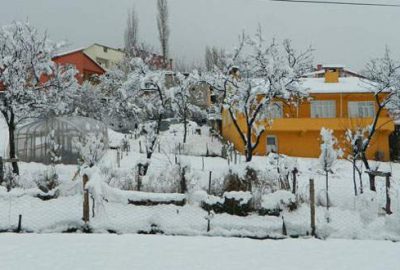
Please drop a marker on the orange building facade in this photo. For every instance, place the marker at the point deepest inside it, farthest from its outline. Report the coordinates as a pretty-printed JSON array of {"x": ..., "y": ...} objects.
[
  {"x": 337, "y": 101},
  {"x": 87, "y": 68}
]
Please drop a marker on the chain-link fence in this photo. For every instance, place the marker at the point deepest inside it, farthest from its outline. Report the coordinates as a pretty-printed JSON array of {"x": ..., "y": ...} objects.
[{"x": 179, "y": 199}]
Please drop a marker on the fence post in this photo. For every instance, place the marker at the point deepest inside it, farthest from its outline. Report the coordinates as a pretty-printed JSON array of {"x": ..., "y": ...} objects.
[
  {"x": 1, "y": 170},
  {"x": 387, "y": 208},
  {"x": 183, "y": 181},
  {"x": 295, "y": 171},
  {"x": 209, "y": 183},
  {"x": 19, "y": 228},
  {"x": 202, "y": 163},
  {"x": 209, "y": 221},
  {"x": 118, "y": 158},
  {"x": 312, "y": 206},
  {"x": 140, "y": 147},
  {"x": 284, "y": 230},
  {"x": 86, "y": 212},
  {"x": 139, "y": 176}
]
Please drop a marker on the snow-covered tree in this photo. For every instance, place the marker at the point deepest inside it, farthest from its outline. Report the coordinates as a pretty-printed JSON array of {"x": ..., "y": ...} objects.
[
  {"x": 383, "y": 75},
  {"x": 147, "y": 91},
  {"x": 268, "y": 72},
  {"x": 27, "y": 74},
  {"x": 182, "y": 98},
  {"x": 354, "y": 139},
  {"x": 90, "y": 149},
  {"x": 119, "y": 109},
  {"x": 329, "y": 154}
]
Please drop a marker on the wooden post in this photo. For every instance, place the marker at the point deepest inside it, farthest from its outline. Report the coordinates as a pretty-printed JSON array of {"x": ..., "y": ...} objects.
[
  {"x": 1, "y": 170},
  {"x": 209, "y": 221},
  {"x": 295, "y": 171},
  {"x": 183, "y": 181},
  {"x": 19, "y": 228},
  {"x": 159, "y": 147},
  {"x": 140, "y": 147},
  {"x": 118, "y": 158},
  {"x": 388, "y": 201},
  {"x": 202, "y": 163},
  {"x": 312, "y": 206},
  {"x": 209, "y": 182},
  {"x": 139, "y": 176},
  {"x": 284, "y": 230},
  {"x": 86, "y": 211}
]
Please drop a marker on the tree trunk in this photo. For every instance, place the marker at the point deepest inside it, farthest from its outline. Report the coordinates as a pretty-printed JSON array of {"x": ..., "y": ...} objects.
[
  {"x": 249, "y": 148},
  {"x": 361, "y": 182},
  {"x": 327, "y": 195},
  {"x": 11, "y": 141},
  {"x": 354, "y": 178},
  {"x": 184, "y": 130},
  {"x": 327, "y": 189}
]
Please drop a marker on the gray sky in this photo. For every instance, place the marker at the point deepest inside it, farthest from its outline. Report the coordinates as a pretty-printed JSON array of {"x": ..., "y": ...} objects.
[{"x": 339, "y": 34}]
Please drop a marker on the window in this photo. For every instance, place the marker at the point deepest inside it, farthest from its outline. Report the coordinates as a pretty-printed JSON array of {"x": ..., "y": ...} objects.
[
  {"x": 275, "y": 110},
  {"x": 105, "y": 49},
  {"x": 323, "y": 109},
  {"x": 361, "y": 109},
  {"x": 272, "y": 144}
]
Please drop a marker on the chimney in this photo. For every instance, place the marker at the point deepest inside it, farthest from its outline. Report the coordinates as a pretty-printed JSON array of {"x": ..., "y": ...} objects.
[
  {"x": 332, "y": 75},
  {"x": 319, "y": 67}
]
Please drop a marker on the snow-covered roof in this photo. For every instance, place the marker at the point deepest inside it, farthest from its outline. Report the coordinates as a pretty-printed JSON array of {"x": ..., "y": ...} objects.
[
  {"x": 69, "y": 52},
  {"x": 333, "y": 66},
  {"x": 345, "y": 85}
]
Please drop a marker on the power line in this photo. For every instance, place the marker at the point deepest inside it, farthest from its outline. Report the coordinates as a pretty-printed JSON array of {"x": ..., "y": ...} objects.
[{"x": 337, "y": 3}]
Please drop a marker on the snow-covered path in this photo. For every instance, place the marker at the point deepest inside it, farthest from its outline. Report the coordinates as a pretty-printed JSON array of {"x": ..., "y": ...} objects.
[{"x": 144, "y": 252}]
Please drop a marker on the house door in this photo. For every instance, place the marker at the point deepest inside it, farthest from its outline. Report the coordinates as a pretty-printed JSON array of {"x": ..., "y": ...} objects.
[{"x": 272, "y": 144}]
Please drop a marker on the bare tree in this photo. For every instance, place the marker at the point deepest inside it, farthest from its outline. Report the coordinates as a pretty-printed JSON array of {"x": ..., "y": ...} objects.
[
  {"x": 163, "y": 28},
  {"x": 213, "y": 58},
  {"x": 131, "y": 32},
  {"x": 384, "y": 78}
]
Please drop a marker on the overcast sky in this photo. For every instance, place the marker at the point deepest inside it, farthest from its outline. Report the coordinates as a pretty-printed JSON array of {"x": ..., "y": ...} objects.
[{"x": 348, "y": 35}]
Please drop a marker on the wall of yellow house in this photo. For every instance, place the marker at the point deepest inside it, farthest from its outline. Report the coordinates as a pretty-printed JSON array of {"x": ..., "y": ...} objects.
[
  {"x": 301, "y": 137},
  {"x": 303, "y": 110}
]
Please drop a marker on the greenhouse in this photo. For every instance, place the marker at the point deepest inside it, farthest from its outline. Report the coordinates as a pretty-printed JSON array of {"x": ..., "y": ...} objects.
[{"x": 35, "y": 141}]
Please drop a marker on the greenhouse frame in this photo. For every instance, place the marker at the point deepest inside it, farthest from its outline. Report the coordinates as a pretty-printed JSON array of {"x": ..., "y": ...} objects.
[{"x": 32, "y": 140}]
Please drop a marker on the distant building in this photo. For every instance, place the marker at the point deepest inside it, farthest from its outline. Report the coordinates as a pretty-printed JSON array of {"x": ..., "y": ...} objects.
[
  {"x": 87, "y": 68},
  {"x": 105, "y": 56}
]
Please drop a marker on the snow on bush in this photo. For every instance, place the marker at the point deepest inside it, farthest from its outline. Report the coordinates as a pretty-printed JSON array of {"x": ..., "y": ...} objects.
[
  {"x": 91, "y": 149},
  {"x": 278, "y": 200},
  {"x": 240, "y": 196}
]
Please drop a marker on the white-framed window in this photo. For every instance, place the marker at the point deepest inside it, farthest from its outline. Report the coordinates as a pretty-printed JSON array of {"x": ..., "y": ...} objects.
[
  {"x": 361, "y": 109},
  {"x": 272, "y": 144},
  {"x": 275, "y": 110},
  {"x": 323, "y": 109}
]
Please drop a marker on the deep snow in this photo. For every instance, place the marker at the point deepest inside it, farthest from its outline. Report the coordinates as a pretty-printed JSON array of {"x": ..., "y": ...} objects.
[{"x": 85, "y": 251}]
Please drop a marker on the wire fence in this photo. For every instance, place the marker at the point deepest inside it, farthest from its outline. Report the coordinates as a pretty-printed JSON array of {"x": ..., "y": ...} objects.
[{"x": 298, "y": 210}]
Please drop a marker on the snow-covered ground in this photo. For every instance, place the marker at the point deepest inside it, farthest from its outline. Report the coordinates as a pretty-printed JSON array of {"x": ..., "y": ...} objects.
[
  {"x": 351, "y": 217},
  {"x": 85, "y": 251}
]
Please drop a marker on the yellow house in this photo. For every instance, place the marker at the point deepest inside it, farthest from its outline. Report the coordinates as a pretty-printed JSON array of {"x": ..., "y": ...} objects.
[{"x": 339, "y": 100}]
